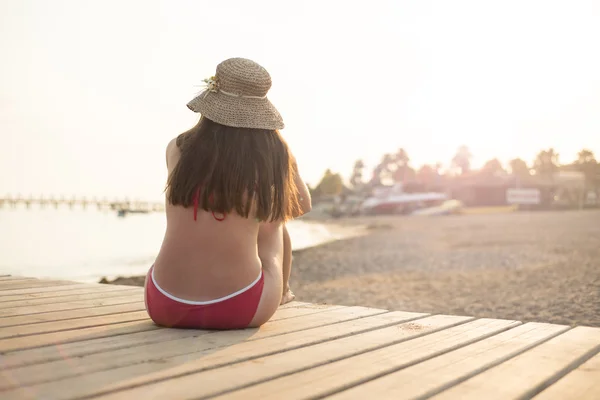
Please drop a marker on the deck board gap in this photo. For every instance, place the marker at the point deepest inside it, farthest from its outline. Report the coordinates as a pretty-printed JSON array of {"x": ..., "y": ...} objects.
[
  {"x": 28, "y": 296},
  {"x": 50, "y": 359},
  {"x": 56, "y": 289},
  {"x": 488, "y": 366},
  {"x": 148, "y": 341},
  {"x": 142, "y": 308},
  {"x": 324, "y": 324},
  {"x": 414, "y": 362},
  {"x": 273, "y": 377},
  {"x": 266, "y": 354},
  {"x": 100, "y": 295},
  {"x": 71, "y": 309},
  {"x": 560, "y": 374},
  {"x": 81, "y": 327},
  {"x": 37, "y": 286},
  {"x": 149, "y": 328}
]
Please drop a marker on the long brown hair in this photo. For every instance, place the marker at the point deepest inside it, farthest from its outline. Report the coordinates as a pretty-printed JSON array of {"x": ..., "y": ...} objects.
[{"x": 241, "y": 169}]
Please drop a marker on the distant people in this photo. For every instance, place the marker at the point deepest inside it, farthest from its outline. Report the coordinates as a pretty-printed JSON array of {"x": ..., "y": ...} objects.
[{"x": 233, "y": 183}]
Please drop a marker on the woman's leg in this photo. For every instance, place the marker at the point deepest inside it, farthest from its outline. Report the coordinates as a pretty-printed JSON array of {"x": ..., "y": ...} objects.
[{"x": 287, "y": 295}]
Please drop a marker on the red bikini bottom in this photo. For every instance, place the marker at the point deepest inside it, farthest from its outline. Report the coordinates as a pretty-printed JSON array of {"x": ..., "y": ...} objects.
[{"x": 230, "y": 312}]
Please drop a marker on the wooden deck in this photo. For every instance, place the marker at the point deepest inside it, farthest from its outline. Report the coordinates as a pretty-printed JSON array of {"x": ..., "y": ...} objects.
[{"x": 67, "y": 340}]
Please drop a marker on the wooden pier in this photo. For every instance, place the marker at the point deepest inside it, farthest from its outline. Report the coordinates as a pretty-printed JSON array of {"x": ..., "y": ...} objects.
[
  {"x": 123, "y": 205},
  {"x": 68, "y": 340}
]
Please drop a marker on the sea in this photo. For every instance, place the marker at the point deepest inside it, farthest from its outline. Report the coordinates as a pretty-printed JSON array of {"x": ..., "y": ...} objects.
[{"x": 86, "y": 245}]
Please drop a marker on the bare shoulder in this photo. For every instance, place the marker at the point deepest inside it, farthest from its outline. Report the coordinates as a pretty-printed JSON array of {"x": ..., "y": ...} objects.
[
  {"x": 172, "y": 153},
  {"x": 172, "y": 145}
]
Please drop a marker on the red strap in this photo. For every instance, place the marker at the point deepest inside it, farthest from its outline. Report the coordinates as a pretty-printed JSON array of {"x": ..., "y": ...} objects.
[
  {"x": 210, "y": 199},
  {"x": 218, "y": 218}
]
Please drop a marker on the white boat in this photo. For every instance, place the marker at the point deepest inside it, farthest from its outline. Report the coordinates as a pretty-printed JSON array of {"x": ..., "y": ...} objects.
[{"x": 393, "y": 200}]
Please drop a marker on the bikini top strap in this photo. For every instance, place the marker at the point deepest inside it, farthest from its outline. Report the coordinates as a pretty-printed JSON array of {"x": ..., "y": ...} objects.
[{"x": 210, "y": 199}]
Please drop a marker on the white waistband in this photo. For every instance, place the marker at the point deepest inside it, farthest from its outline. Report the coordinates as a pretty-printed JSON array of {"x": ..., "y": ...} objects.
[{"x": 198, "y": 303}]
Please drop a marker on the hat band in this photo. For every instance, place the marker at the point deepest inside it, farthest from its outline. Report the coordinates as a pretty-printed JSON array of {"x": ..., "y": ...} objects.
[
  {"x": 231, "y": 94},
  {"x": 240, "y": 95},
  {"x": 213, "y": 86}
]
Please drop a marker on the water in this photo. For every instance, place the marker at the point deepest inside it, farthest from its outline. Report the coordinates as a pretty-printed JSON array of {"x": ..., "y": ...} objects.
[{"x": 85, "y": 245}]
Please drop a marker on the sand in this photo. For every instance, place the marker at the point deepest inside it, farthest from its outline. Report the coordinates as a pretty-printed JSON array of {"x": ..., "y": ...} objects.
[
  {"x": 542, "y": 266},
  {"x": 537, "y": 266}
]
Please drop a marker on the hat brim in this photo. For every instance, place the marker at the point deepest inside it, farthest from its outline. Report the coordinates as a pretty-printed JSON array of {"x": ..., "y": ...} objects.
[{"x": 239, "y": 112}]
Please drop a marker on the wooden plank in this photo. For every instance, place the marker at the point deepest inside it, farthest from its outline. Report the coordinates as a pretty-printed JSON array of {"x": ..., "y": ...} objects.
[
  {"x": 66, "y": 299},
  {"x": 292, "y": 312},
  {"x": 67, "y": 351},
  {"x": 426, "y": 378},
  {"x": 86, "y": 289},
  {"x": 583, "y": 383},
  {"x": 191, "y": 349},
  {"x": 29, "y": 284},
  {"x": 297, "y": 303},
  {"x": 74, "y": 305},
  {"x": 214, "y": 343},
  {"x": 289, "y": 312},
  {"x": 127, "y": 313},
  {"x": 70, "y": 314},
  {"x": 211, "y": 382},
  {"x": 51, "y": 289},
  {"x": 333, "y": 377},
  {"x": 81, "y": 348},
  {"x": 30, "y": 342},
  {"x": 525, "y": 375},
  {"x": 88, "y": 322}
]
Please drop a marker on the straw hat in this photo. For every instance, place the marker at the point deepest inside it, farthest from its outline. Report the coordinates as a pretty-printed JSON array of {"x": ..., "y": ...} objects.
[{"x": 237, "y": 96}]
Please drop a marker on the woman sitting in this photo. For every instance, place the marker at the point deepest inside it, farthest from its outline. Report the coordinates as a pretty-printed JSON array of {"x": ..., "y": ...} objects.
[{"x": 233, "y": 183}]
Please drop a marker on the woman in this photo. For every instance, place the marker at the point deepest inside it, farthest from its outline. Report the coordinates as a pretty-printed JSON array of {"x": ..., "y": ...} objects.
[{"x": 226, "y": 256}]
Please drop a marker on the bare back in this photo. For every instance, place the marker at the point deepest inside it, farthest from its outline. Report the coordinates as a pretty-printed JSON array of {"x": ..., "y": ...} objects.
[{"x": 206, "y": 258}]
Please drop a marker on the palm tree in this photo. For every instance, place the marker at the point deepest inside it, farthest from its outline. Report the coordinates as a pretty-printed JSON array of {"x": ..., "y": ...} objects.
[
  {"x": 492, "y": 168},
  {"x": 462, "y": 159},
  {"x": 383, "y": 171},
  {"x": 546, "y": 164},
  {"x": 401, "y": 157},
  {"x": 585, "y": 156},
  {"x": 520, "y": 170},
  {"x": 587, "y": 164},
  {"x": 330, "y": 184},
  {"x": 402, "y": 170},
  {"x": 357, "y": 174}
]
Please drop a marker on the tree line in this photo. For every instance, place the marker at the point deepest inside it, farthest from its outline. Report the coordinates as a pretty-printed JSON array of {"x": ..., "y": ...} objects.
[{"x": 396, "y": 167}]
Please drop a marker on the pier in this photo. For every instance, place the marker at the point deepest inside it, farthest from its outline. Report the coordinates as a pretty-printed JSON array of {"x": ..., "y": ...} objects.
[
  {"x": 66, "y": 340},
  {"x": 120, "y": 205}
]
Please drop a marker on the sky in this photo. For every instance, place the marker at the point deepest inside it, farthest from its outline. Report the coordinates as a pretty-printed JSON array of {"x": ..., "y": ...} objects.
[{"x": 92, "y": 91}]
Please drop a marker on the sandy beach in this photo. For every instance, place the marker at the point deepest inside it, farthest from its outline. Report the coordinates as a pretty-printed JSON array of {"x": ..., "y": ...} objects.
[{"x": 538, "y": 266}]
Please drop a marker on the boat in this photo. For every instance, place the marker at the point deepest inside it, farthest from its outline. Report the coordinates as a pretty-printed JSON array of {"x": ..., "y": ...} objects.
[{"x": 394, "y": 200}]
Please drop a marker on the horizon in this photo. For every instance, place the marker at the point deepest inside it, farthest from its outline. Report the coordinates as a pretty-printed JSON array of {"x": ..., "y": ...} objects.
[{"x": 93, "y": 91}]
